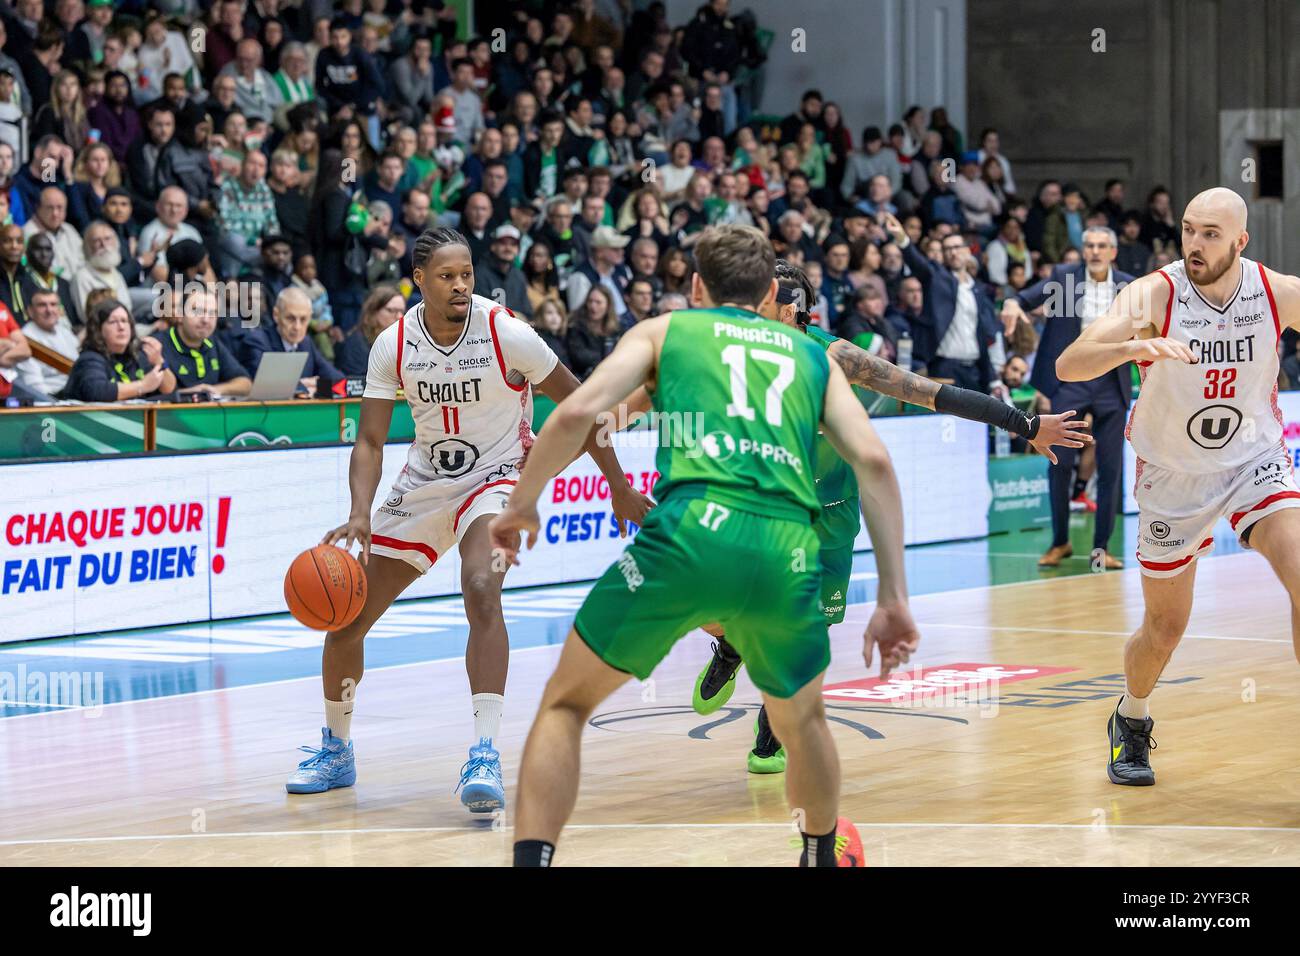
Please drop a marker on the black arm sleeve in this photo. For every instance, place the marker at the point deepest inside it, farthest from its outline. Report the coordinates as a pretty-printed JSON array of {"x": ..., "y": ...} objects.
[{"x": 978, "y": 407}]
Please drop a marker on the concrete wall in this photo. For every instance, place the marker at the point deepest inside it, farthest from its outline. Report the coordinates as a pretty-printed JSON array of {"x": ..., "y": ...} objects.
[
  {"x": 874, "y": 57},
  {"x": 1176, "y": 98}
]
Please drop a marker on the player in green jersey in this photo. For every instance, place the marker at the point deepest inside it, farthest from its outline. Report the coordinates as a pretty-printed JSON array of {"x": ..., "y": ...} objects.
[
  {"x": 837, "y": 488},
  {"x": 731, "y": 540}
]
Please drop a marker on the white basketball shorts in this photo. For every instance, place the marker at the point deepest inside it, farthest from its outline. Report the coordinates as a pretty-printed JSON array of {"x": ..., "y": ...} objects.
[
  {"x": 417, "y": 524},
  {"x": 1177, "y": 511}
]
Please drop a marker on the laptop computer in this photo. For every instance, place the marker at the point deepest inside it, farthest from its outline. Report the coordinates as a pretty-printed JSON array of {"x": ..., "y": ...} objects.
[{"x": 277, "y": 376}]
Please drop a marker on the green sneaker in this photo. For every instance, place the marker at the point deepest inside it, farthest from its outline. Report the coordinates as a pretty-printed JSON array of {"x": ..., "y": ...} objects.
[
  {"x": 768, "y": 756},
  {"x": 717, "y": 681}
]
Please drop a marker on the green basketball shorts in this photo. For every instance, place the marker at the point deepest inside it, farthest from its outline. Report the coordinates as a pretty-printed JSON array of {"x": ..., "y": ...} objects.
[{"x": 698, "y": 560}]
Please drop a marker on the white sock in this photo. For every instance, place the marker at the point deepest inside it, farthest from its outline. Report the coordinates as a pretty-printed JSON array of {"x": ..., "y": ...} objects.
[
  {"x": 487, "y": 715},
  {"x": 1134, "y": 708},
  {"x": 338, "y": 718}
]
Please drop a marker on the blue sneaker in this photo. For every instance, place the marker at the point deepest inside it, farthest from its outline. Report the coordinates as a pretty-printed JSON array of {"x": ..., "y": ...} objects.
[
  {"x": 480, "y": 779},
  {"x": 326, "y": 769}
]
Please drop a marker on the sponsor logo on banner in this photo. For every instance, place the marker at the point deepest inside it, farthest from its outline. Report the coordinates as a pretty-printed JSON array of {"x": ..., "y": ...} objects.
[
  {"x": 237, "y": 535},
  {"x": 566, "y": 524},
  {"x": 947, "y": 685},
  {"x": 102, "y": 547},
  {"x": 257, "y": 440}
]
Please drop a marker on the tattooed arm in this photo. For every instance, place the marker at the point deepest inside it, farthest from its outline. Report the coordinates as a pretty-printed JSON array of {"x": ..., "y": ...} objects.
[{"x": 862, "y": 368}]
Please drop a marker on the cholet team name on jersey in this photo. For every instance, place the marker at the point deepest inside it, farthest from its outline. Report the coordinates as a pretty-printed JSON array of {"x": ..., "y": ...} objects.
[
  {"x": 1223, "y": 351},
  {"x": 448, "y": 393}
]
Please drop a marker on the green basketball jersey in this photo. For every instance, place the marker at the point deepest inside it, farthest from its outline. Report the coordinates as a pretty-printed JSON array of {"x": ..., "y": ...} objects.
[
  {"x": 739, "y": 401},
  {"x": 837, "y": 485}
]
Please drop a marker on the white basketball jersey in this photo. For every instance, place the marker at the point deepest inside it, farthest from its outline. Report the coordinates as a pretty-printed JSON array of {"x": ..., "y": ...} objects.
[
  {"x": 1221, "y": 412},
  {"x": 471, "y": 400}
]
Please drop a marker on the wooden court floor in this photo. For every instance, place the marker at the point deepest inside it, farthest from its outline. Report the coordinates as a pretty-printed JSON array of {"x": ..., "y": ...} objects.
[{"x": 198, "y": 780}]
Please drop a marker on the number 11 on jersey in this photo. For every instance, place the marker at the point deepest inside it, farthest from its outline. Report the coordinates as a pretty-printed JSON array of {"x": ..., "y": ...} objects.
[{"x": 451, "y": 419}]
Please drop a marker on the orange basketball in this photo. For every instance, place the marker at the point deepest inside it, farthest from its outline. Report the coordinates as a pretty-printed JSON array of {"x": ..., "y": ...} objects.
[{"x": 325, "y": 588}]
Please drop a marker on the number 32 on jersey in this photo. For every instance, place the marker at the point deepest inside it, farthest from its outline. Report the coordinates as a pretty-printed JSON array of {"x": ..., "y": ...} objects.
[{"x": 1219, "y": 382}]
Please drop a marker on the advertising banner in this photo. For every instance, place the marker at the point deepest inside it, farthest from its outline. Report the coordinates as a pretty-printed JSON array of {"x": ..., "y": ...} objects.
[
  {"x": 63, "y": 433},
  {"x": 1020, "y": 497},
  {"x": 91, "y": 546}
]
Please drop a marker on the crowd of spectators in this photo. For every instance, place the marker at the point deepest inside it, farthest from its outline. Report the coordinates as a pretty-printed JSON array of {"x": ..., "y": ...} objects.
[{"x": 299, "y": 148}]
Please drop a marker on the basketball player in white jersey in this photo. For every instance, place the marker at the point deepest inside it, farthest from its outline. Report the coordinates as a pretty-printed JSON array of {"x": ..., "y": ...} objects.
[
  {"x": 1207, "y": 432},
  {"x": 467, "y": 368}
]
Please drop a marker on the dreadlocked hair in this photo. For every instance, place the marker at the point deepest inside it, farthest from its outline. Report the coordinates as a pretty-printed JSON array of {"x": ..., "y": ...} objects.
[
  {"x": 431, "y": 240},
  {"x": 791, "y": 278}
]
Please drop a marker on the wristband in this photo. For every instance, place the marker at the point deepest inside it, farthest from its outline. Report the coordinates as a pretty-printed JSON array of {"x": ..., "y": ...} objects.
[{"x": 978, "y": 407}]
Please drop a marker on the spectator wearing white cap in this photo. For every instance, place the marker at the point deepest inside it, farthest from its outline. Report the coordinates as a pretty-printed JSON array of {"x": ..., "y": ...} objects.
[
  {"x": 496, "y": 275},
  {"x": 603, "y": 267}
]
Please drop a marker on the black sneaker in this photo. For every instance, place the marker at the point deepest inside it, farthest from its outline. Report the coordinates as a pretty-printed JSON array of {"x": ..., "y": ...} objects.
[
  {"x": 717, "y": 681},
  {"x": 768, "y": 756},
  {"x": 1129, "y": 762}
]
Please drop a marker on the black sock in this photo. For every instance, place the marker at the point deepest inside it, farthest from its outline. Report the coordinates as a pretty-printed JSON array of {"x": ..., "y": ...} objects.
[
  {"x": 1080, "y": 486},
  {"x": 533, "y": 853},
  {"x": 819, "y": 848}
]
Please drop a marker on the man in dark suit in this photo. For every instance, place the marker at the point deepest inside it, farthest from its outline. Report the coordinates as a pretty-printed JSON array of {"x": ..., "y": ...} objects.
[
  {"x": 958, "y": 322},
  {"x": 1074, "y": 296},
  {"x": 289, "y": 334}
]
